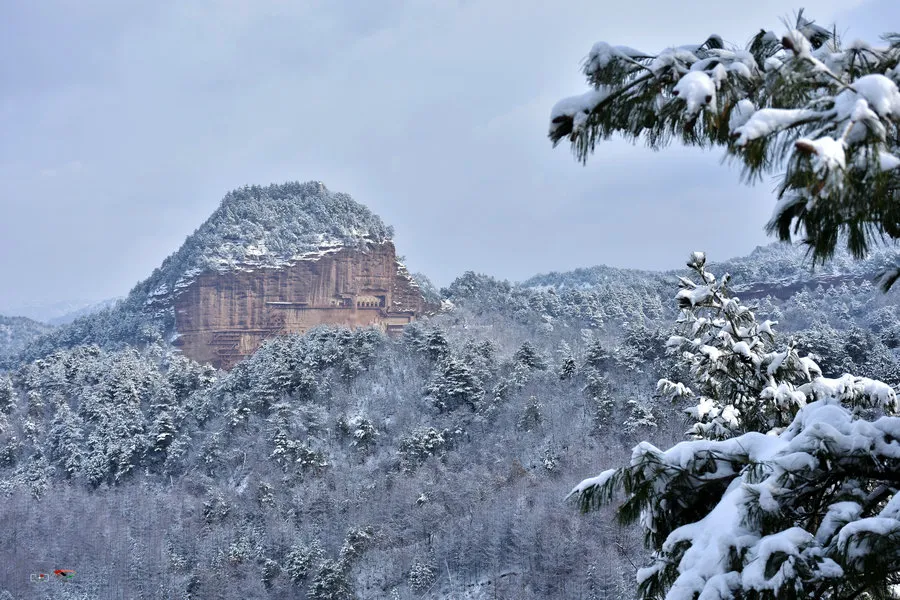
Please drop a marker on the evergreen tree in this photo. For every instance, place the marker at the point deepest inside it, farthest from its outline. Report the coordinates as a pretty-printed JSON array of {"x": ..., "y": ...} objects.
[
  {"x": 65, "y": 439},
  {"x": 301, "y": 560},
  {"x": 805, "y": 510},
  {"x": 740, "y": 381},
  {"x": 598, "y": 357},
  {"x": 823, "y": 112},
  {"x": 7, "y": 394},
  {"x": 568, "y": 368},
  {"x": 455, "y": 385},
  {"x": 528, "y": 356},
  {"x": 436, "y": 345},
  {"x": 331, "y": 583}
]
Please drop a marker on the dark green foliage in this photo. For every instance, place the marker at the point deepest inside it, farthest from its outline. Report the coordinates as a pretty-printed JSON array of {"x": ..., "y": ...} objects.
[
  {"x": 568, "y": 369},
  {"x": 358, "y": 539},
  {"x": 598, "y": 358},
  {"x": 532, "y": 417},
  {"x": 436, "y": 345},
  {"x": 330, "y": 583},
  {"x": 454, "y": 386},
  {"x": 417, "y": 446},
  {"x": 600, "y": 398},
  {"x": 7, "y": 394},
  {"x": 302, "y": 559},
  {"x": 528, "y": 356}
]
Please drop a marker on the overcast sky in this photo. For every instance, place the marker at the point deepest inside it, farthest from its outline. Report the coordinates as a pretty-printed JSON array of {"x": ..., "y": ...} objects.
[{"x": 122, "y": 125}]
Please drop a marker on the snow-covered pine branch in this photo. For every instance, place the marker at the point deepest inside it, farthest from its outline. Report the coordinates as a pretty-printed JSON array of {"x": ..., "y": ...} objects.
[
  {"x": 806, "y": 510},
  {"x": 740, "y": 380},
  {"x": 804, "y": 104}
]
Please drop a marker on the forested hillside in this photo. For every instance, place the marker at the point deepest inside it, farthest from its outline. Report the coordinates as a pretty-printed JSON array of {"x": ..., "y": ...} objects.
[
  {"x": 345, "y": 463},
  {"x": 16, "y": 333}
]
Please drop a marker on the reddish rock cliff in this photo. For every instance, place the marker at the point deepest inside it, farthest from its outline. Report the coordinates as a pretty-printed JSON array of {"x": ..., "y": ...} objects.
[{"x": 223, "y": 317}]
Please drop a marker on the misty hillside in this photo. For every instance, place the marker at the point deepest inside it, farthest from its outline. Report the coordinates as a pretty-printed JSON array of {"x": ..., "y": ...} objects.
[
  {"x": 57, "y": 312},
  {"x": 76, "y": 312},
  {"x": 347, "y": 464},
  {"x": 776, "y": 268},
  {"x": 18, "y": 332}
]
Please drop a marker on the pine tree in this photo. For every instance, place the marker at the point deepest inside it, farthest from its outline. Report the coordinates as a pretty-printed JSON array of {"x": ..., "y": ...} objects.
[
  {"x": 421, "y": 576},
  {"x": 455, "y": 385},
  {"x": 437, "y": 346},
  {"x": 740, "y": 380},
  {"x": 7, "y": 394},
  {"x": 795, "y": 495},
  {"x": 568, "y": 368},
  {"x": 528, "y": 356},
  {"x": 65, "y": 439},
  {"x": 598, "y": 357},
  {"x": 301, "y": 560},
  {"x": 331, "y": 583},
  {"x": 601, "y": 402},
  {"x": 802, "y": 103}
]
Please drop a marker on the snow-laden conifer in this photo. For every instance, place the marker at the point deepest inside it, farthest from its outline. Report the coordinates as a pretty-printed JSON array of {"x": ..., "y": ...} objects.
[
  {"x": 801, "y": 103},
  {"x": 793, "y": 491},
  {"x": 741, "y": 381}
]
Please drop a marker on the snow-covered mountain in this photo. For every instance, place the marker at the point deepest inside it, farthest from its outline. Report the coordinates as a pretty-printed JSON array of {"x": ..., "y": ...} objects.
[
  {"x": 253, "y": 227},
  {"x": 264, "y": 226}
]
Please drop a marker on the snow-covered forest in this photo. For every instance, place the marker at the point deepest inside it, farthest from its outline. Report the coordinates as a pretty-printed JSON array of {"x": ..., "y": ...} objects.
[
  {"x": 16, "y": 333},
  {"x": 430, "y": 466}
]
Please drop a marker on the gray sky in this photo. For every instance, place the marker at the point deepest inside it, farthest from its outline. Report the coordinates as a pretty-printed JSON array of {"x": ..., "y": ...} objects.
[{"x": 124, "y": 123}]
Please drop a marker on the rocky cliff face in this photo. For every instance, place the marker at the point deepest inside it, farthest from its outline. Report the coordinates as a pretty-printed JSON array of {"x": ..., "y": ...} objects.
[{"x": 223, "y": 317}]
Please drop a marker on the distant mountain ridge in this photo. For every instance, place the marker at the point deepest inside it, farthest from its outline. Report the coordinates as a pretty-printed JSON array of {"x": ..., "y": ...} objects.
[
  {"x": 57, "y": 312},
  {"x": 777, "y": 269}
]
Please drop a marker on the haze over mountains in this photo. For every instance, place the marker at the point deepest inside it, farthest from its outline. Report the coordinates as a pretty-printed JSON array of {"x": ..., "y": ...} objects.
[{"x": 57, "y": 312}]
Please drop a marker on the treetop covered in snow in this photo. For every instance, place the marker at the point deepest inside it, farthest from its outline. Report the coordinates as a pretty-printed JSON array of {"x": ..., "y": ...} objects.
[
  {"x": 804, "y": 104},
  {"x": 761, "y": 516},
  {"x": 788, "y": 488},
  {"x": 269, "y": 226},
  {"x": 741, "y": 379}
]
